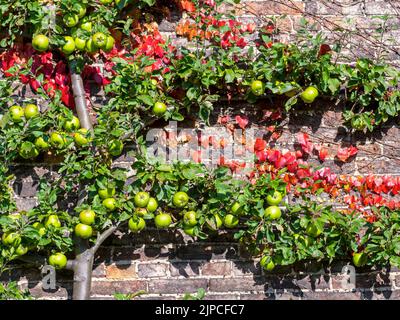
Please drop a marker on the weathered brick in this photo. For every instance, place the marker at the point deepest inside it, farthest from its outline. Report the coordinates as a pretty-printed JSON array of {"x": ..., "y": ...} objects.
[
  {"x": 326, "y": 295},
  {"x": 206, "y": 252},
  {"x": 63, "y": 290},
  {"x": 111, "y": 287},
  {"x": 185, "y": 269},
  {"x": 237, "y": 284},
  {"x": 143, "y": 253},
  {"x": 121, "y": 271},
  {"x": 222, "y": 268},
  {"x": 176, "y": 286},
  {"x": 242, "y": 268},
  {"x": 150, "y": 270}
]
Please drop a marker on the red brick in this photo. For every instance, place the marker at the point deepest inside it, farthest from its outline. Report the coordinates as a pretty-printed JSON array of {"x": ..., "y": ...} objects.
[
  {"x": 111, "y": 287},
  {"x": 217, "y": 269}
]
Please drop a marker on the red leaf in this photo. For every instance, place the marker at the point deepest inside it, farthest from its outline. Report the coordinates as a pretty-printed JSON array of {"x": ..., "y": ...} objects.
[
  {"x": 305, "y": 143},
  {"x": 242, "y": 121},
  {"x": 322, "y": 153},
  {"x": 223, "y": 119},
  {"x": 343, "y": 154},
  {"x": 260, "y": 144}
]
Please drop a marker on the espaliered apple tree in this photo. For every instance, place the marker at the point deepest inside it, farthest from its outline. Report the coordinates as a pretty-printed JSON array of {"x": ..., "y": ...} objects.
[{"x": 89, "y": 198}]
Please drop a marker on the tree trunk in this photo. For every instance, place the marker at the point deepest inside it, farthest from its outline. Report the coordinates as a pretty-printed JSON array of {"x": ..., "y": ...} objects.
[
  {"x": 83, "y": 268},
  {"x": 80, "y": 99}
]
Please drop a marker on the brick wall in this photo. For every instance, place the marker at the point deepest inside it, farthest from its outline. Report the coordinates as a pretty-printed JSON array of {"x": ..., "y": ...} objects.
[{"x": 166, "y": 265}]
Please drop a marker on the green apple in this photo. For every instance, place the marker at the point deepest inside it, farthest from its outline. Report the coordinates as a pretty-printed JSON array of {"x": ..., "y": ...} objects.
[
  {"x": 231, "y": 221},
  {"x": 40, "y": 228},
  {"x": 57, "y": 140},
  {"x": 163, "y": 220},
  {"x": 360, "y": 259},
  {"x": 87, "y": 217},
  {"x": 110, "y": 204},
  {"x": 31, "y": 111},
  {"x": 152, "y": 205},
  {"x": 58, "y": 260},
  {"x": 83, "y": 231},
  {"x": 16, "y": 113},
  {"x": 80, "y": 137},
  {"x": 137, "y": 224},
  {"x": 189, "y": 219},
  {"x": 141, "y": 199},
  {"x": 53, "y": 220},
  {"x": 42, "y": 143},
  {"x": 40, "y": 43},
  {"x": 11, "y": 238},
  {"x": 275, "y": 199},
  {"x": 236, "y": 208},
  {"x": 267, "y": 263},
  {"x": 180, "y": 199},
  {"x": 273, "y": 212},
  {"x": 106, "y": 193},
  {"x": 72, "y": 125}
]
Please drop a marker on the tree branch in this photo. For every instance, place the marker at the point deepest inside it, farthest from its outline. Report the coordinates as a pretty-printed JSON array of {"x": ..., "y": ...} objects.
[
  {"x": 40, "y": 261},
  {"x": 102, "y": 237}
]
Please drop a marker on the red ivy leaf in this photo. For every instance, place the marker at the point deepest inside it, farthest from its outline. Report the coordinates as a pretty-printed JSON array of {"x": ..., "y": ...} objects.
[
  {"x": 343, "y": 154},
  {"x": 305, "y": 143},
  {"x": 242, "y": 121}
]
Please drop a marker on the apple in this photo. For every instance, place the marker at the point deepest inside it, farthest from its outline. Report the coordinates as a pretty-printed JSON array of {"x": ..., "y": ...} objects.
[
  {"x": 190, "y": 231},
  {"x": 163, "y": 220},
  {"x": 215, "y": 223},
  {"x": 141, "y": 199},
  {"x": 69, "y": 46},
  {"x": 140, "y": 212},
  {"x": 16, "y": 113},
  {"x": 80, "y": 137},
  {"x": 40, "y": 228},
  {"x": 106, "y": 193},
  {"x": 257, "y": 87},
  {"x": 180, "y": 199},
  {"x": 80, "y": 44},
  {"x": 99, "y": 40},
  {"x": 21, "y": 250},
  {"x": 275, "y": 199},
  {"x": 81, "y": 10},
  {"x": 360, "y": 259},
  {"x": 40, "y": 43},
  {"x": 57, "y": 140},
  {"x": 236, "y": 208},
  {"x": 152, "y": 205},
  {"x": 309, "y": 95},
  {"x": 53, "y": 220},
  {"x": 137, "y": 224},
  {"x": 189, "y": 219},
  {"x": 58, "y": 260},
  {"x": 273, "y": 212},
  {"x": 312, "y": 230},
  {"x": 90, "y": 47},
  {"x": 109, "y": 44},
  {"x": 267, "y": 263},
  {"x": 110, "y": 204},
  {"x": 71, "y": 20},
  {"x": 86, "y": 25},
  {"x": 73, "y": 124},
  {"x": 42, "y": 143},
  {"x": 28, "y": 150},
  {"x": 83, "y": 231},
  {"x": 31, "y": 111},
  {"x": 159, "y": 109},
  {"x": 11, "y": 238},
  {"x": 87, "y": 217},
  {"x": 231, "y": 221}
]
